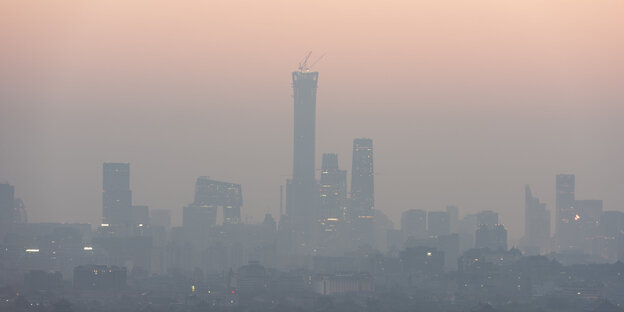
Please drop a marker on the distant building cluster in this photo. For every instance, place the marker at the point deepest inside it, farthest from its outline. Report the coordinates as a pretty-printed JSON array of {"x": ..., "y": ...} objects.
[{"x": 330, "y": 241}]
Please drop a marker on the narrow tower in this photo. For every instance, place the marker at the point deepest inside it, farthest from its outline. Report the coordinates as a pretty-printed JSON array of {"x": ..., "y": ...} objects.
[
  {"x": 116, "y": 194},
  {"x": 302, "y": 194},
  {"x": 362, "y": 191}
]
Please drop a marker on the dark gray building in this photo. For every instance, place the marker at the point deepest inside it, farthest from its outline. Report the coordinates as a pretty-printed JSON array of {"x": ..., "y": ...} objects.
[
  {"x": 487, "y": 217},
  {"x": 566, "y": 227},
  {"x": 362, "y": 191},
  {"x": 228, "y": 196},
  {"x": 333, "y": 188},
  {"x": 116, "y": 194},
  {"x": 438, "y": 223},
  {"x": 302, "y": 194},
  {"x": 536, "y": 222}
]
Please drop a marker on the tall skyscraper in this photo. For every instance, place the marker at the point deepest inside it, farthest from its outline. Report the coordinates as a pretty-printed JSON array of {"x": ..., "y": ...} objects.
[
  {"x": 362, "y": 190},
  {"x": 116, "y": 194},
  {"x": 438, "y": 223},
  {"x": 567, "y": 228},
  {"x": 211, "y": 193},
  {"x": 536, "y": 222},
  {"x": 302, "y": 194}
]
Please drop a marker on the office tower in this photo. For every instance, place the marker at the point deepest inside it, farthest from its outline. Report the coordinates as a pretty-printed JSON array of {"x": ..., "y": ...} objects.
[
  {"x": 116, "y": 194},
  {"x": 611, "y": 236},
  {"x": 7, "y": 205},
  {"x": 302, "y": 191},
  {"x": 466, "y": 229},
  {"x": 228, "y": 196},
  {"x": 488, "y": 218},
  {"x": 333, "y": 188},
  {"x": 438, "y": 223},
  {"x": 333, "y": 191},
  {"x": 414, "y": 224},
  {"x": 362, "y": 191},
  {"x": 588, "y": 219},
  {"x": 536, "y": 222},
  {"x": 566, "y": 227},
  {"x": 492, "y": 237},
  {"x": 453, "y": 213},
  {"x": 611, "y": 223}
]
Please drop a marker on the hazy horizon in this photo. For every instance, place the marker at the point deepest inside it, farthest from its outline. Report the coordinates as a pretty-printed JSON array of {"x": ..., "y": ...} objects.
[{"x": 465, "y": 102}]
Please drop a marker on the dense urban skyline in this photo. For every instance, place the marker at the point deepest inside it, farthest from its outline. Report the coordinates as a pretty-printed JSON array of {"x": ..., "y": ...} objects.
[
  {"x": 430, "y": 99},
  {"x": 271, "y": 156}
]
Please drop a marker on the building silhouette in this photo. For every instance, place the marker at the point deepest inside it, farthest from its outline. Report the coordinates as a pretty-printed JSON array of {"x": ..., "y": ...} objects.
[
  {"x": 487, "y": 217},
  {"x": 116, "y": 195},
  {"x": 567, "y": 228},
  {"x": 333, "y": 188},
  {"x": 333, "y": 199},
  {"x": 453, "y": 213},
  {"x": 362, "y": 191},
  {"x": 224, "y": 195},
  {"x": 536, "y": 223},
  {"x": 492, "y": 237},
  {"x": 438, "y": 223},
  {"x": 302, "y": 190}
]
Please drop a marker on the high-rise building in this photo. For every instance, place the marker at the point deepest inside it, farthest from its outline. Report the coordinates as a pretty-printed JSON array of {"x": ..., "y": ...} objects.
[
  {"x": 567, "y": 228},
  {"x": 333, "y": 188},
  {"x": 536, "y": 222},
  {"x": 492, "y": 237},
  {"x": 589, "y": 212},
  {"x": 362, "y": 191},
  {"x": 414, "y": 224},
  {"x": 453, "y": 213},
  {"x": 488, "y": 218},
  {"x": 611, "y": 238},
  {"x": 116, "y": 194},
  {"x": 438, "y": 223},
  {"x": 333, "y": 191},
  {"x": 228, "y": 196},
  {"x": 302, "y": 193}
]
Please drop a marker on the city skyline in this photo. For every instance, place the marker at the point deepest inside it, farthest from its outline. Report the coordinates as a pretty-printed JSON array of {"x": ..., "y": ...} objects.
[
  {"x": 312, "y": 156},
  {"x": 132, "y": 96}
]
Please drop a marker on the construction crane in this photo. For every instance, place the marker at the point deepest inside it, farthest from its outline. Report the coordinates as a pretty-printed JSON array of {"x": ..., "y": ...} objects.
[{"x": 303, "y": 64}]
